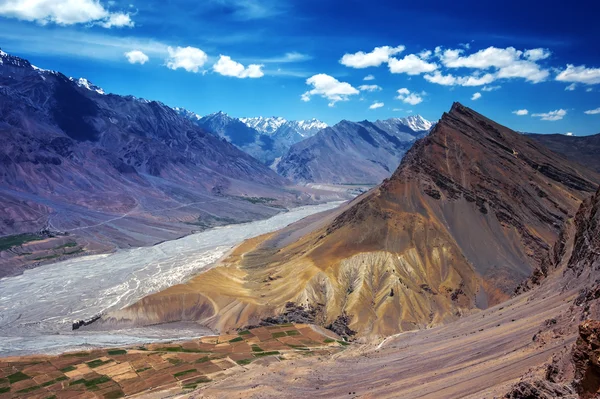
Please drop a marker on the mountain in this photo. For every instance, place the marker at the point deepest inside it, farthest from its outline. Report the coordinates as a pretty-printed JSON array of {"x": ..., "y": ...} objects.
[
  {"x": 581, "y": 149},
  {"x": 352, "y": 152},
  {"x": 116, "y": 171},
  {"x": 266, "y": 139},
  {"x": 473, "y": 208}
]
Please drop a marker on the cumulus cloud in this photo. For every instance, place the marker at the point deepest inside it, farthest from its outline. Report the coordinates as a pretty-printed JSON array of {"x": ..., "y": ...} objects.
[
  {"x": 137, "y": 57},
  {"x": 228, "y": 67},
  {"x": 330, "y": 88},
  {"x": 506, "y": 63},
  {"x": 521, "y": 112},
  {"x": 64, "y": 12},
  {"x": 476, "y": 96},
  {"x": 571, "y": 87},
  {"x": 589, "y": 90},
  {"x": 189, "y": 58},
  {"x": 369, "y": 88},
  {"x": 490, "y": 88},
  {"x": 369, "y": 77},
  {"x": 408, "y": 97},
  {"x": 376, "y": 105},
  {"x": 552, "y": 115},
  {"x": 375, "y": 58},
  {"x": 593, "y": 111},
  {"x": 579, "y": 74},
  {"x": 451, "y": 80},
  {"x": 411, "y": 65}
]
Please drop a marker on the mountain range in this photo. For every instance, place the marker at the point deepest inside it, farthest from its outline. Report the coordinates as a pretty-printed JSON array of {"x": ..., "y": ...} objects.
[
  {"x": 471, "y": 211},
  {"x": 353, "y": 152},
  {"x": 581, "y": 149},
  {"x": 117, "y": 171}
]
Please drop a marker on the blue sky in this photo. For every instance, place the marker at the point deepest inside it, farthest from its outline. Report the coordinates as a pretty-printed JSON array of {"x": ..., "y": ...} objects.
[{"x": 309, "y": 58}]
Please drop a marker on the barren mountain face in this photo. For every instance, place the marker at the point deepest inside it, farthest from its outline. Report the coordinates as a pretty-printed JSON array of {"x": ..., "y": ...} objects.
[{"x": 471, "y": 211}]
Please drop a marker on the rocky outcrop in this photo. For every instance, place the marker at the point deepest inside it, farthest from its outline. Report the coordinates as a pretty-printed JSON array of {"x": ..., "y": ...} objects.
[
  {"x": 586, "y": 357},
  {"x": 540, "y": 389},
  {"x": 582, "y": 149}
]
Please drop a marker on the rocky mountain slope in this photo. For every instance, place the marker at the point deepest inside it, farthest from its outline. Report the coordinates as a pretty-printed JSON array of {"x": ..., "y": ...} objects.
[
  {"x": 352, "y": 152},
  {"x": 117, "y": 171},
  {"x": 584, "y": 150},
  {"x": 471, "y": 211}
]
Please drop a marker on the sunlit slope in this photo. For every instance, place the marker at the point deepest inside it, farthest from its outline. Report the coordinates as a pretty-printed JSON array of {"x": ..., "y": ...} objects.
[{"x": 472, "y": 209}]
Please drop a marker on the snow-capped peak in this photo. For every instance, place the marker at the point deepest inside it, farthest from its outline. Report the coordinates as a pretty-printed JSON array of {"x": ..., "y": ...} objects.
[
  {"x": 187, "y": 114},
  {"x": 265, "y": 125},
  {"x": 86, "y": 84},
  {"x": 418, "y": 123}
]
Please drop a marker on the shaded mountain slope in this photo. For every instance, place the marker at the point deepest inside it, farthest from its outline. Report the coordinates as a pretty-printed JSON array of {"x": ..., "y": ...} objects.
[
  {"x": 350, "y": 152},
  {"x": 471, "y": 211},
  {"x": 584, "y": 150},
  {"x": 117, "y": 171}
]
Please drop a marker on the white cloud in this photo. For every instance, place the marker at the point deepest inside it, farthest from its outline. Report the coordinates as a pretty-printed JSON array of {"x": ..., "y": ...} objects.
[
  {"x": 579, "y": 74},
  {"x": 490, "y": 88},
  {"x": 407, "y": 97},
  {"x": 375, "y": 58},
  {"x": 64, "y": 12},
  {"x": 425, "y": 54},
  {"x": 411, "y": 65},
  {"x": 369, "y": 88},
  {"x": 330, "y": 88},
  {"x": 571, "y": 87},
  {"x": 137, "y": 57},
  {"x": 369, "y": 77},
  {"x": 451, "y": 80},
  {"x": 537, "y": 54},
  {"x": 476, "y": 96},
  {"x": 527, "y": 70},
  {"x": 376, "y": 105},
  {"x": 552, "y": 115},
  {"x": 589, "y": 90},
  {"x": 593, "y": 111},
  {"x": 189, "y": 58},
  {"x": 228, "y": 67},
  {"x": 569, "y": 134},
  {"x": 521, "y": 112}
]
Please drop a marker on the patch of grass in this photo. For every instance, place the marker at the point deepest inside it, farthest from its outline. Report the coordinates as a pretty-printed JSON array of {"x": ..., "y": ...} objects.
[
  {"x": 18, "y": 376},
  {"x": 280, "y": 334},
  {"x": 180, "y": 349},
  {"x": 77, "y": 382},
  {"x": 143, "y": 369},
  {"x": 292, "y": 333},
  {"x": 238, "y": 339},
  {"x": 343, "y": 343},
  {"x": 182, "y": 373},
  {"x": 329, "y": 341},
  {"x": 51, "y": 397},
  {"x": 261, "y": 354},
  {"x": 142, "y": 348},
  {"x": 17, "y": 240},
  {"x": 67, "y": 369},
  {"x": 3, "y": 381},
  {"x": 258, "y": 200},
  {"x": 190, "y": 386},
  {"x": 245, "y": 332},
  {"x": 244, "y": 362},
  {"x": 67, "y": 245},
  {"x": 203, "y": 359},
  {"x": 96, "y": 381},
  {"x": 30, "y": 389},
  {"x": 117, "y": 352},
  {"x": 52, "y": 382},
  {"x": 256, "y": 348},
  {"x": 5, "y": 389},
  {"x": 97, "y": 363},
  {"x": 114, "y": 395},
  {"x": 174, "y": 361},
  {"x": 299, "y": 347}
]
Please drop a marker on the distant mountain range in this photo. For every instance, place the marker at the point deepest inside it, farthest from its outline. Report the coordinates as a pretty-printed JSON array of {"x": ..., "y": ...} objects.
[
  {"x": 119, "y": 170},
  {"x": 584, "y": 150},
  {"x": 266, "y": 139},
  {"x": 353, "y": 152}
]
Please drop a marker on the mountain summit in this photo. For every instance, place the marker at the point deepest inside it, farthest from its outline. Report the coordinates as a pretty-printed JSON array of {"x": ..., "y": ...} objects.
[{"x": 473, "y": 208}]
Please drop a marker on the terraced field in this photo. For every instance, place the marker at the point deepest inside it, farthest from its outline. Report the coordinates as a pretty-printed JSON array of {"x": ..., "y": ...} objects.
[{"x": 176, "y": 367}]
